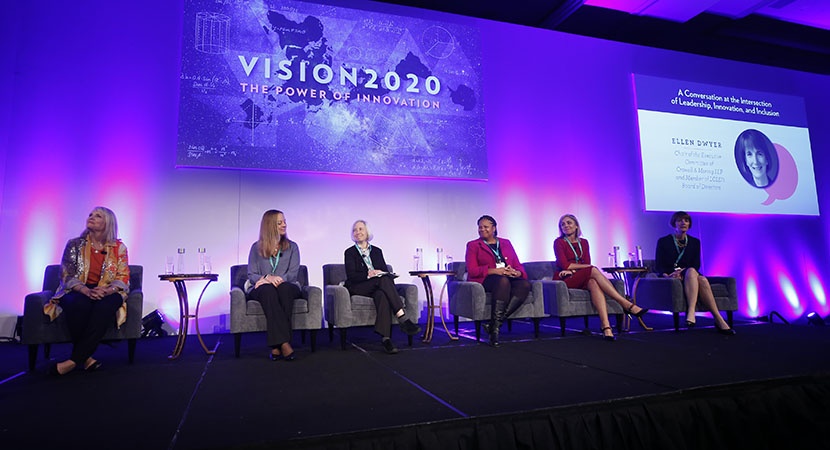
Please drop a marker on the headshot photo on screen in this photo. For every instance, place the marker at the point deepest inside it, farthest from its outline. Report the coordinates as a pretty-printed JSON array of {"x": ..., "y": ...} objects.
[{"x": 756, "y": 158}]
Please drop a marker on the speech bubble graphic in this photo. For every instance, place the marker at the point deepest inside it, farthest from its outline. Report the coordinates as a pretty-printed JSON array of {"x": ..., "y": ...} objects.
[{"x": 787, "y": 180}]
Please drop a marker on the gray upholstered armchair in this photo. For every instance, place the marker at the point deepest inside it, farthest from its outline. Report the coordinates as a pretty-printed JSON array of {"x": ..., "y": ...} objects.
[
  {"x": 344, "y": 311},
  {"x": 666, "y": 294},
  {"x": 38, "y": 329},
  {"x": 247, "y": 315},
  {"x": 468, "y": 299},
  {"x": 563, "y": 302}
]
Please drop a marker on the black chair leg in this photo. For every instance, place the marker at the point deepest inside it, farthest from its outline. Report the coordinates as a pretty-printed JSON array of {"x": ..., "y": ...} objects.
[
  {"x": 562, "y": 325},
  {"x": 313, "y": 341},
  {"x": 478, "y": 330},
  {"x": 536, "y": 321},
  {"x": 131, "y": 349},
  {"x": 619, "y": 319},
  {"x": 47, "y": 350},
  {"x": 302, "y": 336},
  {"x": 676, "y": 317},
  {"x": 343, "y": 339},
  {"x": 32, "y": 356},
  {"x": 409, "y": 340},
  {"x": 509, "y": 326},
  {"x": 237, "y": 343},
  {"x": 331, "y": 333},
  {"x": 729, "y": 318},
  {"x": 455, "y": 322}
]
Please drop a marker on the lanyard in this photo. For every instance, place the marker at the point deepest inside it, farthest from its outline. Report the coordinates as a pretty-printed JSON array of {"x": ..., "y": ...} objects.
[
  {"x": 679, "y": 252},
  {"x": 274, "y": 261},
  {"x": 365, "y": 256},
  {"x": 578, "y": 242},
  {"x": 496, "y": 251}
]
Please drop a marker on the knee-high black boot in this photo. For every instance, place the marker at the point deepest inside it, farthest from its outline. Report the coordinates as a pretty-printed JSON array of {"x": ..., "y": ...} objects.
[
  {"x": 496, "y": 318},
  {"x": 512, "y": 306}
]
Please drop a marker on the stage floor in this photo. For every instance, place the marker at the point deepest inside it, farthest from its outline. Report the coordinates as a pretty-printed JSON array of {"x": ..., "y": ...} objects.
[{"x": 219, "y": 401}]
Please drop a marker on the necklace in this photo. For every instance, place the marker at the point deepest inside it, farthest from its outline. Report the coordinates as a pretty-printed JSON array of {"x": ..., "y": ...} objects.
[{"x": 96, "y": 246}]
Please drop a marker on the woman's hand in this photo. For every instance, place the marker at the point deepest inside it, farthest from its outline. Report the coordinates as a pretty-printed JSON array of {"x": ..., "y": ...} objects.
[
  {"x": 261, "y": 281},
  {"x": 565, "y": 273},
  {"x": 676, "y": 274},
  {"x": 374, "y": 273},
  {"x": 511, "y": 272},
  {"x": 98, "y": 292},
  {"x": 274, "y": 280}
]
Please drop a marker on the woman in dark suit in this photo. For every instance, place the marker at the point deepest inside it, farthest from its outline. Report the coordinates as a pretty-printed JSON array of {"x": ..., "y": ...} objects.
[
  {"x": 678, "y": 256},
  {"x": 366, "y": 275},
  {"x": 492, "y": 262}
]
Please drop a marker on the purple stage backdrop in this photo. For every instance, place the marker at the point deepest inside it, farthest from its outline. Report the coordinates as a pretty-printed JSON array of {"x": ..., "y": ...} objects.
[
  {"x": 290, "y": 85},
  {"x": 98, "y": 122}
]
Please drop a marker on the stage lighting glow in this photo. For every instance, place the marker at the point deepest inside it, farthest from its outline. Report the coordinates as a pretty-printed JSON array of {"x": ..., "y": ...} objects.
[
  {"x": 790, "y": 294},
  {"x": 817, "y": 288},
  {"x": 751, "y": 297},
  {"x": 39, "y": 244}
]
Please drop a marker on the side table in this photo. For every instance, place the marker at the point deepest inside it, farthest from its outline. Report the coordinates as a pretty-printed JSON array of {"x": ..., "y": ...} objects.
[
  {"x": 623, "y": 274},
  {"x": 179, "y": 280},
  {"x": 431, "y": 306}
]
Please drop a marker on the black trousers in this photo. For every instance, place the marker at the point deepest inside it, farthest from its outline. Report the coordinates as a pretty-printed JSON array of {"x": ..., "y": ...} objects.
[
  {"x": 88, "y": 321},
  {"x": 278, "y": 304},
  {"x": 387, "y": 301}
]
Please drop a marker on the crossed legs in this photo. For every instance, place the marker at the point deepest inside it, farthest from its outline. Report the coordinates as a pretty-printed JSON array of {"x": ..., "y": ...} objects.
[{"x": 599, "y": 286}]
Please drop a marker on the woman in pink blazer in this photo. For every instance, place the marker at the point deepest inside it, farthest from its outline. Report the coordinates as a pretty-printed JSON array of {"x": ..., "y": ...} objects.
[{"x": 492, "y": 262}]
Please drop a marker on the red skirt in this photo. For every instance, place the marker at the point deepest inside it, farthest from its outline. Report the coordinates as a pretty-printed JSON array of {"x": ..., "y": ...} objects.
[{"x": 579, "y": 280}]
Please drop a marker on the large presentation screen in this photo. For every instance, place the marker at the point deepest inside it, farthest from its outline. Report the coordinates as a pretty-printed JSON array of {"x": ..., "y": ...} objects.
[
  {"x": 293, "y": 85},
  {"x": 721, "y": 149}
]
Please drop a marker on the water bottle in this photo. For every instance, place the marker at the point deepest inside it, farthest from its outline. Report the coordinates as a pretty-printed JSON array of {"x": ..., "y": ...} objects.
[
  {"x": 416, "y": 258},
  {"x": 616, "y": 256},
  {"x": 639, "y": 256},
  {"x": 180, "y": 260},
  {"x": 439, "y": 254},
  {"x": 202, "y": 256},
  {"x": 449, "y": 262}
]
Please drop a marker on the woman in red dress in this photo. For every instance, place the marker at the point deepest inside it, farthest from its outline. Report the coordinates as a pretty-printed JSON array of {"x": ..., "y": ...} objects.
[{"x": 573, "y": 258}]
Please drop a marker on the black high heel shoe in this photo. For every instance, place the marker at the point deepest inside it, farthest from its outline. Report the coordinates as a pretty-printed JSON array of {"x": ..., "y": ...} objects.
[
  {"x": 605, "y": 337},
  {"x": 726, "y": 331},
  {"x": 638, "y": 314}
]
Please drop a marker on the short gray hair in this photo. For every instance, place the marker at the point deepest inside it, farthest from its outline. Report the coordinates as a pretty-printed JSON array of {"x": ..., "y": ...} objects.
[{"x": 369, "y": 235}]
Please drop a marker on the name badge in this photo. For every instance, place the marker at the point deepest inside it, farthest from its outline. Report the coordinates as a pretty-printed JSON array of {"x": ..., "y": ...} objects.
[{"x": 500, "y": 265}]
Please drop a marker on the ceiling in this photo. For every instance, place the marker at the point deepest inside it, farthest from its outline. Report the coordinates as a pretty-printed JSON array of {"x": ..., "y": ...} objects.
[{"x": 793, "y": 34}]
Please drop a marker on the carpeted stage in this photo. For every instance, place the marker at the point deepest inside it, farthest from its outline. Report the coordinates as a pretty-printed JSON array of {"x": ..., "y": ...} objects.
[{"x": 766, "y": 387}]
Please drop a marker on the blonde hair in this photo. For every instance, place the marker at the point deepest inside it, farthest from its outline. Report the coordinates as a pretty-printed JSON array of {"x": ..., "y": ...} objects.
[
  {"x": 269, "y": 232},
  {"x": 110, "y": 224},
  {"x": 572, "y": 217}
]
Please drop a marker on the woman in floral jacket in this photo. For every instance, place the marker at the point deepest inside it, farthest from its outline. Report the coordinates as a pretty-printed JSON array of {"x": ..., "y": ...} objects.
[{"x": 95, "y": 281}]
